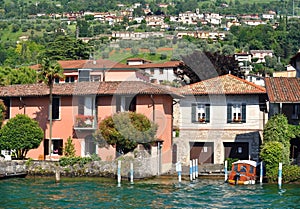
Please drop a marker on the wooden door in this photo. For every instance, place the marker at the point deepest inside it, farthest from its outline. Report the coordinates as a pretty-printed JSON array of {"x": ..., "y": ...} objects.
[{"x": 203, "y": 151}]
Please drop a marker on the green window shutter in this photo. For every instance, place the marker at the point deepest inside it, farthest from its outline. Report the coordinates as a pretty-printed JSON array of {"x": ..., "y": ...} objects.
[
  {"x": 243, "y": 113},
  {"x": 229, "y": 113},
  {"x": 193, "y": 116},
  {"x": 207, "y": 113}
]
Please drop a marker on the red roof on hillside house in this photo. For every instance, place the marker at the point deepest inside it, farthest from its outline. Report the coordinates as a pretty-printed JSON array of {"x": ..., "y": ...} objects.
[
  {"x": 87, "y": 88},
  {"x": 88, "y": 64},
  {"x": 226, "y": 84},
  {"x": 283, "y": 89}
]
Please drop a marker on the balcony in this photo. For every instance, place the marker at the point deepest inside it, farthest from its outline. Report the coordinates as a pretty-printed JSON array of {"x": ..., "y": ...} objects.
[{"x": 85, "y": 122}]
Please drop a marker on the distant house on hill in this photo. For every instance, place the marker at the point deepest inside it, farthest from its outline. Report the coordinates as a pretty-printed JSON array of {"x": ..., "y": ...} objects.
[{"x": 98, "y": 70}]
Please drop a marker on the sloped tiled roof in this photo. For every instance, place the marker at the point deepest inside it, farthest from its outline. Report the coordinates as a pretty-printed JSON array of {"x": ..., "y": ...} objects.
[
  {"x": 283, "y": 89},
  {"x": 88, "y": 64},
  {"x": 87, "y": 88},
  {"x": 226, "y": 84},
  {"x": 169, "y": 64}
]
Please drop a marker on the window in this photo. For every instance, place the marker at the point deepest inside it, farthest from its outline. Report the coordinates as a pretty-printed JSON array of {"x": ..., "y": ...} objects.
[
  {"x": 69, "y": 79},
  {"x": 84, "y": 75},
  {"x": 56, "y": 80},
  {"x": 201, "y": 113},
  {"x": 125, "y": 104},
  {"x": 236, "y": 113},
  {"x": 56, "y": 147},
  {"x": 95, "y": 78},
  {"x": 90, "y": 146},
  {"x": 161, "y": 71},
  {"x": 55, "y": 108},
  {"x": 151, "y": 71}
]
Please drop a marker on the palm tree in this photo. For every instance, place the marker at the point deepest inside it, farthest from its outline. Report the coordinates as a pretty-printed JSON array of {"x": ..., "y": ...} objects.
[{"x": 50, "y": 70}]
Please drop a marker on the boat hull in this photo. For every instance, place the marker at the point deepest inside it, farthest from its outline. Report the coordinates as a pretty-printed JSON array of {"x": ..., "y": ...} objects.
[{"x": 240, "y": 182}]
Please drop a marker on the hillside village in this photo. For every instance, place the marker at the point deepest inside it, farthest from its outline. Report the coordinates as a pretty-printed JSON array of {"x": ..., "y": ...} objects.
[{"x": 217, "y": 118}]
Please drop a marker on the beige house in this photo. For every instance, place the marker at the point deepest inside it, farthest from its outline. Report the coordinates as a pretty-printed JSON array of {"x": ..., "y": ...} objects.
[{"x": 220, "y": 118}]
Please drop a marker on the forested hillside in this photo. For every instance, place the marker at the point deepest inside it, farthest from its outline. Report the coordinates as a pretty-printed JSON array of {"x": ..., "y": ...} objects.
[
  {"x": 26, "y": 37},
  {"x": 23, "y": 8}
]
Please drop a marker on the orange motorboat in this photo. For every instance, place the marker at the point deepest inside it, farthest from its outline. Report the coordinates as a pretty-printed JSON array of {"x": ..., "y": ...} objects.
[{"x": 243, "y": 172}]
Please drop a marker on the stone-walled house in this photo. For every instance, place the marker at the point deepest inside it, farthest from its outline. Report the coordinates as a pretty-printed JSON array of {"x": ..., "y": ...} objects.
[
  {"x": 220, "y": 118},
  {"x": 284, "y": 98},
  {"x": 78, "y": 108}
]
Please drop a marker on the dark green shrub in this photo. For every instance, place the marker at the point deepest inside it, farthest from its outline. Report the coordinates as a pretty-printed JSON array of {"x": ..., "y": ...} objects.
[
  {"x": 230, "y": 161},
  {"x": 65, "y": 161},
  {"x": 290, "y": 173}
]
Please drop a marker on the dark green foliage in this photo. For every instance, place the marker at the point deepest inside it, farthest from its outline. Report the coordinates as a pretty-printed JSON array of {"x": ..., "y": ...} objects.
[
  {"x": 276, "y": 147},
  {"x": 24, "y": 75},
  {"x": 278, "y": 129},
  {"x": 272, "y": 154},
  {"x": 290, "y": 173},
  {"x": 2, "y": 112},
  {"x": 230, "y": 161},
  {"x": 66, "y": 48},
  {"x": 126, "y": 130},
  {"x": 204, "y": 65},
  {"x": 69, "y": 148},
  {"x": 65, "y": 161},
  {"x": 21, "y": 134}
]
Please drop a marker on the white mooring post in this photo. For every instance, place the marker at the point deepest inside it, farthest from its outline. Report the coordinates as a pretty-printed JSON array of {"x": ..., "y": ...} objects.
[
  {"x": 197, "y": 170},
  {"x": 119, "y": 172},
  {"x": 194, "y": 169},
  {"x": 178, "y": 170},
  {"x": 57, "y": 175},
  {"x": 191, "y": 170},
  {"x": 261, "y": 173},
  {"x": 226, "y": 171},
  {"x": 131, "y": 172},
  {"x": 280, "y": 175}
]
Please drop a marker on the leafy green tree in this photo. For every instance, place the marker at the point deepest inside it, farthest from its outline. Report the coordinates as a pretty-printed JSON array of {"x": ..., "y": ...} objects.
[
  {"x": 69, "y": 150},
  {"x": 126, "y": 130},
  {"x": 23, "y": 75},
  {"x": 276, "y": 147},
  {"x": 66, "y": 48},
  {"x": 21, "y": 134},
  {"x": 49, "y": 71},
  {"x": 2, "y": 112}
]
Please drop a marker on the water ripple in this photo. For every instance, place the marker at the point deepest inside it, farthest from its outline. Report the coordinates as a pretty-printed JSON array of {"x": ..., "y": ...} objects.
[{"x": 157, "y": 193}]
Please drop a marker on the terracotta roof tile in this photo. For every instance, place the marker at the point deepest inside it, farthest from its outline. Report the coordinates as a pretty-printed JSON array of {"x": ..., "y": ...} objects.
[
  {"x": 283, "y": 89},
  {"x": 87, "y": 88},
  {"x": 226, "y": 84}
]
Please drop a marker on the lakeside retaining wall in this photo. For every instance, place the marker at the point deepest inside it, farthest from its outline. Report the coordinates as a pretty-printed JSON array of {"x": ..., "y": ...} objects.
[{"x": 143, "y": 168}]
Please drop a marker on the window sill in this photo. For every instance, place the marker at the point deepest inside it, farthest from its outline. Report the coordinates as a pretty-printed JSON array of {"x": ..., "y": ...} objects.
[{"x": 197, "y": 122}]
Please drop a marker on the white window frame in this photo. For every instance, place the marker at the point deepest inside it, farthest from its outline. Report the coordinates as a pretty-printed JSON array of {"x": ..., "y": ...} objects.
[
  {"x": 200, "y": 113},
  {"x": 52, "y": 146},
  {"x": 236, "y": 112}
]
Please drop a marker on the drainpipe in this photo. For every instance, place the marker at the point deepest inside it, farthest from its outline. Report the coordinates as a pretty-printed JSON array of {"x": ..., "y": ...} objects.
[
  {"x": 23, "y": 105},
  {"x": 280, "y": 107},
  {"x": 153, "y": 107},
  {"x": 158, "y": 142}
]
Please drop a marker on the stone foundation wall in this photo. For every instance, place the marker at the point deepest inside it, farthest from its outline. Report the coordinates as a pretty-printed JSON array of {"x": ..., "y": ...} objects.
[{"x": 143, "y": 168}]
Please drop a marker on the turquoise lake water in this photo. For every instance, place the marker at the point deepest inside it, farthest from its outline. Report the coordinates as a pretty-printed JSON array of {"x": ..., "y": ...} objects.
[{"x": 157, "y": 193}]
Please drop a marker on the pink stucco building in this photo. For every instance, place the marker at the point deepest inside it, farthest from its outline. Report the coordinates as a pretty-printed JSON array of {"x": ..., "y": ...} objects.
[{"x": 78, "y": 108}]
